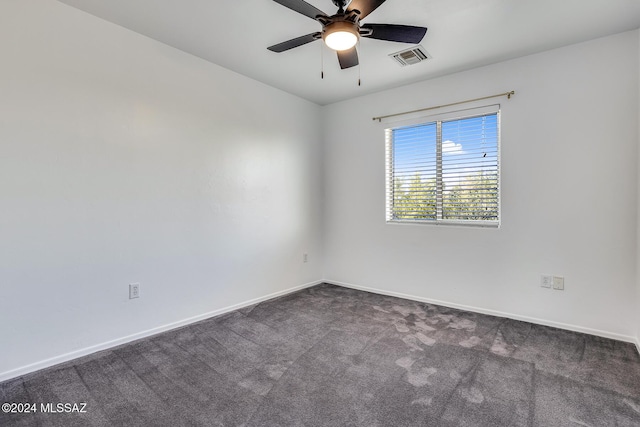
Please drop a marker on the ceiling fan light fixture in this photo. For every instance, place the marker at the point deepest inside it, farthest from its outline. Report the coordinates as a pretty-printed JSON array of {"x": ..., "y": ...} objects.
[
  {"x": 340, "y": 35},
  {"x": 342, "y": 30}
]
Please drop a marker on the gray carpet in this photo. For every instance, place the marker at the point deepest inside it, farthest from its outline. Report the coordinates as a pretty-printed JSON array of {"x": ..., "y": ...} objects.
[{"x": 331, "y": 356}]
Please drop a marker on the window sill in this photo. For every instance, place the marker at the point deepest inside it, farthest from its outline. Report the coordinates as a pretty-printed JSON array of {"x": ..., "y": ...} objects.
[{"x": 478, "y": 224}]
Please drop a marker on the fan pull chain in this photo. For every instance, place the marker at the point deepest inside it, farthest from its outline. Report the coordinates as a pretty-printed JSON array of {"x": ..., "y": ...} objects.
[
  {"x": 359, "y": 50},
  {"x": 321, "y": 61}
]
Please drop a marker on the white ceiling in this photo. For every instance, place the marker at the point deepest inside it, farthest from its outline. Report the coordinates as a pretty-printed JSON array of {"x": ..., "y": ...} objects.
[{"x": 462, "y": 34}]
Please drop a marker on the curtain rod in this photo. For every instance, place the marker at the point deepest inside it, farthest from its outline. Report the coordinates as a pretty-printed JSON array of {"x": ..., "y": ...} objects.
[{"x": 507, "y": 94}]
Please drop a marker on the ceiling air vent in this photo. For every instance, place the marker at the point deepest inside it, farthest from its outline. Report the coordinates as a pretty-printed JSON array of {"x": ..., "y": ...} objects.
[{"x": 411, "y": 56}]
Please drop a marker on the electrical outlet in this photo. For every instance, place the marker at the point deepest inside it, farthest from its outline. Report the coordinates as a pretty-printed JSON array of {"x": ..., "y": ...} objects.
[
  {"x": 134, "y": 290},
  {"x": 558, "y": 283},
  {"x": 305, "y": 257},
  {"x": 546, "y": 281}
]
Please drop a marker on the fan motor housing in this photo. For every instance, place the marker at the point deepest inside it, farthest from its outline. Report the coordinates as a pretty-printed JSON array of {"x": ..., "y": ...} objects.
[
  {"x": 340, "y": 25},
  {"x": 341, "y": 3}
]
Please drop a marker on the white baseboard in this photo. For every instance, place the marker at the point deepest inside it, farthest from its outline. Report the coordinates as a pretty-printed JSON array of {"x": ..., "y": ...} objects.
[
  {"x": 7, "y": 375},
  {"x": 569, "y": 327},
  {"x": 144, "y": 334}
]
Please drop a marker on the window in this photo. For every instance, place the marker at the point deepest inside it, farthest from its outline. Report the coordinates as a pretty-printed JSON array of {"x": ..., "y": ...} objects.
[{"x": 445, "y": 170}]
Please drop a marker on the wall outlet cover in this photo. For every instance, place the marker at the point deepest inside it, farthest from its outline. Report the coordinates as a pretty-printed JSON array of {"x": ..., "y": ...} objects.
[
  {"x": 558, "y": 283},
  {"x": 546, "y": 281},
  {"x": 134, "y": 290}
]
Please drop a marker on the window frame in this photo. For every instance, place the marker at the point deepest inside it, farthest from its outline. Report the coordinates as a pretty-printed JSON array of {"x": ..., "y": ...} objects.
[{"x": 438, "y": 119}]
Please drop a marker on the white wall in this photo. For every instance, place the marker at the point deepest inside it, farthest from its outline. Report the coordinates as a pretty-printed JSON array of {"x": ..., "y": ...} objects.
[
  {"x": 124, "y": 160},
  {"x": 569, "y": 193},
  {"x": 637, "y": 309}
]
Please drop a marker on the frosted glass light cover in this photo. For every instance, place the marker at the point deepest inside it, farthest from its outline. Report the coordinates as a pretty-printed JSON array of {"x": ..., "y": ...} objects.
[{"x": 341, "y": 40}]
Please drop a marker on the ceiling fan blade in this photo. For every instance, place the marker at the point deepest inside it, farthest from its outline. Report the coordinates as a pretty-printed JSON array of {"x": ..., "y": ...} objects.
[
  {"x": 298, "y": 41},
  {"x": 395, "y": 33},
  {"x": 364, "y": 6},
  {"x": 348, "y": 58},
  {"x": 302, "y": 7}
]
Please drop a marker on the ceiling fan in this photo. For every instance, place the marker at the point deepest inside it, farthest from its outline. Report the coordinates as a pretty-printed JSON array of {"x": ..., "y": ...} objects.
[{"x": 341, "y": 31}]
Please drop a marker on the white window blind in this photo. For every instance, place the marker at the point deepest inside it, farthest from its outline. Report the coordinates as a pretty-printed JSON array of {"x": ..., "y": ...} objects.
[{"x": 444, "y": 171}]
